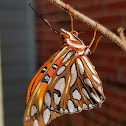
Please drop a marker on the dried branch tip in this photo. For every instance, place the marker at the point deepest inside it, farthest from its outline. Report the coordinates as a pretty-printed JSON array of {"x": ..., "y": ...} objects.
[{"x": 120, "y": 31}]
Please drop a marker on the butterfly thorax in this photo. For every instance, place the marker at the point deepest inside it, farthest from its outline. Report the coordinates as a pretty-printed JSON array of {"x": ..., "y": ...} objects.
[{"x": 72, "y": 40}]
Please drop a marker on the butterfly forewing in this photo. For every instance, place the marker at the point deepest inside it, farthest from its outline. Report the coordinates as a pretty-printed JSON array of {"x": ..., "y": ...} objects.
[
  {"x": 36, "y": 113},
  {"x": 38, "y": 76},
  {"x": 58, "y": 89}
]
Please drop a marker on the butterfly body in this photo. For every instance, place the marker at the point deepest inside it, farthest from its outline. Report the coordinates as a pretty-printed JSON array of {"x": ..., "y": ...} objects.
[{"x": 67, "y": 83}]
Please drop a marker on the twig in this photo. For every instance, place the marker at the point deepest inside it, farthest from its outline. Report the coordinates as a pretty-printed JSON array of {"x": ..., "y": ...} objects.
[
  {"x": 120, "y": 31},
  {"x": 92, "y": 23}
]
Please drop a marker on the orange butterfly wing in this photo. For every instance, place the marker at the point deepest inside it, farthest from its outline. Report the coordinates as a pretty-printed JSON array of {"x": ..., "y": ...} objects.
[{"x": 37, "y": 77}]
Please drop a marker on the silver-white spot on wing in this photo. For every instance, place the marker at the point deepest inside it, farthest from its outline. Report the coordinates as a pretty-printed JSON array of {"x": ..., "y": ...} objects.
[
  {"x": 61, "y": 110},
  {"x": 54, "y": 66},
  {"x": 52, "y": 108},
  {"x": 79, "y": 108},
  {"x": 35, "y": 123},
  {"x": 85, "y": 93},
  {"x": 100, "y": 89},
  {"x": 27, "y": 118},
  {"x": 76, "y": 95},
  {"x": 60, "y": 85},
  {"x": 46, "y": 115},
  {"x": 85, "y": 107},
  {"x": 71, "y": 106},
  {"x": 66, "y": 111},
  {"x": 95, "y": 97},
  {"x": 33, "y": 110},
  {"x": 96, "y": 79},
  {"x": 80, "y": 64},
  {"x": 61, "y": 70},
  {"x": 69, "y": 54},
  {"x": 90, "y": 106},
  {"x": 47, "y": 99},
  {"x": 46, "y": 78},
  {"x": 88, "y": 82},
  {"x": 50, "y": 79},
  {"x": 89, "y": 65},
  {"x": 56, "y": 99},
  {"x": 44, "y": 69},
  {"x": 73, "y": 74}
]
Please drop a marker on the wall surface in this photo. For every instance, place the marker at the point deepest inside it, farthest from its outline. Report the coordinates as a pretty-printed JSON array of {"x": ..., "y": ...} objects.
[
  {"x": 109, "y": 59},
  {"x": 18, "y": 57},
  {"x": 1, "y": 92}
]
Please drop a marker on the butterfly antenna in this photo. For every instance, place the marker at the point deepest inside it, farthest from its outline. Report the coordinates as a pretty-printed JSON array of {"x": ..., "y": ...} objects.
[
  {"x": 96, "y": 44},
  {"x": 47, "y": 23},
  {"x": 94, "y": 39}
]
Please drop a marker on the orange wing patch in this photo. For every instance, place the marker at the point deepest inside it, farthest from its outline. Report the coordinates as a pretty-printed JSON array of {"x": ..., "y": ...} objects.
[
  {"x": 37, "y": 77},
  {"x": 43, "y": 87}
]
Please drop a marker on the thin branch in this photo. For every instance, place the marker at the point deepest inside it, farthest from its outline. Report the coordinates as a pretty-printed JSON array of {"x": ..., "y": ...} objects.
[
  {"x": 92, "y": 23},
  {"x": 120, "y": 31}
]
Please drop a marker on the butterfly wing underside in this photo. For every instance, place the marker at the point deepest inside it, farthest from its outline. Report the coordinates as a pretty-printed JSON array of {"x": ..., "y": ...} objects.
[
  {"x": 74, "y": 86},
  {"x": 36, "y": 113},
  {"x": 68, "y": 84}
]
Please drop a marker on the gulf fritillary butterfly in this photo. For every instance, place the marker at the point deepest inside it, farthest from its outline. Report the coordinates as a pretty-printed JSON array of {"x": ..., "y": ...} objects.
[{"x": 67, "y": 83}]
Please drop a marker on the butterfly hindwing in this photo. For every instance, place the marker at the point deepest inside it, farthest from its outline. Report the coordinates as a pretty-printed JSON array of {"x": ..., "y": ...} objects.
[
  {"x": 92, "y": 85},
  {"x": 75, "y": 86}
]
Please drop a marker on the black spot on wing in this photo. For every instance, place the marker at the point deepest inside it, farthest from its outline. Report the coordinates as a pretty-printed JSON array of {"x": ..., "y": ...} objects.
[
  {"x": 44, "y": 69},
  {"x": 46, "y": 79}
]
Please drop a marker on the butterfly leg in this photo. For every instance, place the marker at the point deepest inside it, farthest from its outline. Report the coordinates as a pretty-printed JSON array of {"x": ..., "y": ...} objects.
[
  {"x": 93, "y": 37},
  {"x": 68, "y": 8},
  {"x": 96, "y": 44}
]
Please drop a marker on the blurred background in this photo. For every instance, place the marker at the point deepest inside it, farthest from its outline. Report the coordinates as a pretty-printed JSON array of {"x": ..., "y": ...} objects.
[{"x": 26, "y": 43}]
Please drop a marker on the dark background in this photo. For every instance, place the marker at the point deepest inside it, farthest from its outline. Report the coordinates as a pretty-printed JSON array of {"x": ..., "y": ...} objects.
[{"x": 27, "y": 43}]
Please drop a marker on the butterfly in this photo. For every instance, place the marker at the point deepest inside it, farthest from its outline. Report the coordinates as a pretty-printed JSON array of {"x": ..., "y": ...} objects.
[{"x": 67, "y": 83}]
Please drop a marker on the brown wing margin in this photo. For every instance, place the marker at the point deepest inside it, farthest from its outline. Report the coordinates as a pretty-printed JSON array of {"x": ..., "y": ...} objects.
[
  {"x": 36, "y": 113},
  {"x": 38, "y": 76}
]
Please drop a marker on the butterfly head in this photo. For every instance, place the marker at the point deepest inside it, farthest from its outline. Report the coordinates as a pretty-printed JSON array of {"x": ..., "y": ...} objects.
[{"x": 72, "y": 40}]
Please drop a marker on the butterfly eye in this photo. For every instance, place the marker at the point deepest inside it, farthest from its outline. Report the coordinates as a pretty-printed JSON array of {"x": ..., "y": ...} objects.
[{"x": 65, "y": 35}]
